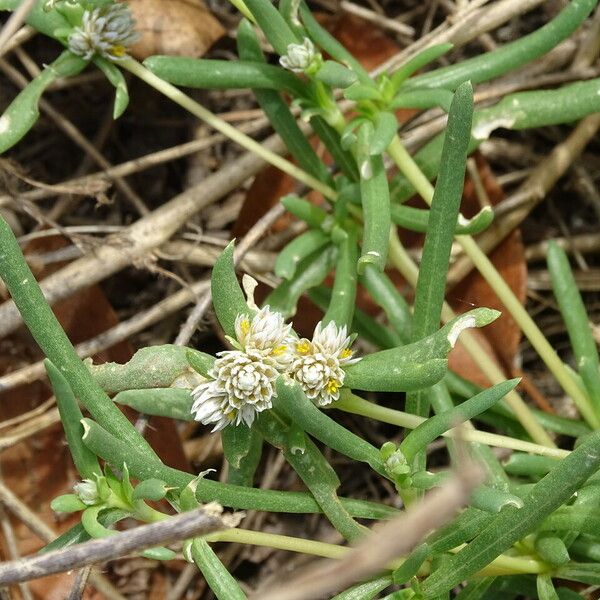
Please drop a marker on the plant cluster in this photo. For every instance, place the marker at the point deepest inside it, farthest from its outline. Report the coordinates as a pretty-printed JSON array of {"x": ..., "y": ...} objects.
[{"x": 535, "y": 519}]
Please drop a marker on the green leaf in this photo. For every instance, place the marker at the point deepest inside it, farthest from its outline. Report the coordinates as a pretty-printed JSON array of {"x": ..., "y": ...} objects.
[
  {"x": 312, "y": 215},
  {"x": 493, "y": 500},
  {"x": 91, "y": 524},
  {"x": 227, "y": 295},
  {"x": 545, "y": 587},
  {"x": 416, "y": 365},
  {"x": 419, "y": 438},
  {"x": 85, "y": 461},
  {"x": 159, "y": 553},
  {"x": 23, "y": 112},
  {"x": 292, "y": 401},
  {"x": 150, "y": 489},
  {"x": 343, "y": 294},
  {"x": 417, "y": 219},
  {"x": 577, "y": 322},
  {"x": 361, "y": 91},
  {"x": 509, "y": 56},
  {"x": 67, "y": 503},
  {"x": 422, "y": 59},
  {"x": 46, "y": 22},
  {"x": 335, "y": 75},
  {"x": 411, "y": 565},
  {"x": 297, "y": 250},
  {"x": 277, "y": 110},
  {"x": 365, "y": 591},
  {"x": 588, "y": 573},
  {"x": 221, "y": 582},
  {"x": 422, "y": 99},
  {"x": 175, "y": 403},
  {"x": 242, "y": 447},
  {"x": 223, "y": 74},
  {"x": 200, "y": 361},
  {"x": 314, "y": 470},
  {"x": 513, "y": 524},
  {"x": 310, "y": 272},
  {"x": 273, "y": 25},
  {"x": 375, "y": 200},
  {"x": 552, "y": 550},
  {"x": 116, "y": 78},
  {"x": 386, "y": 126}
]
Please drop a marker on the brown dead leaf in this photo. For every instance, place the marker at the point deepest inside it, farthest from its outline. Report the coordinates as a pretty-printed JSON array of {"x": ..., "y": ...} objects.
[{"x": 174, "y": 27}]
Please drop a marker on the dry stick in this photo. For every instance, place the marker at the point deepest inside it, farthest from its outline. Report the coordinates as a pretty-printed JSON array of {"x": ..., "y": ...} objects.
[
  {"x": 142, "y": 236},
  {"x": 373, "y": 17},
  {"x": 76, "y": 136},
  {"x": 15, "y": 21},
  {"x": 180, "y": 527},
  {"x": 20, "y": 37},
  {"x": 39, "y": 527},
  {"x": 530, "y": 193},
  {"x": 250, "y": 239},
  {"x": 394, "y": 539},
  {"x": 80, "y": 584}
]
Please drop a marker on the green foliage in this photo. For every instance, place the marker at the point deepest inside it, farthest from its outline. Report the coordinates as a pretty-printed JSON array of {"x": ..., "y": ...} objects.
[{"x": 535, "y": 518}]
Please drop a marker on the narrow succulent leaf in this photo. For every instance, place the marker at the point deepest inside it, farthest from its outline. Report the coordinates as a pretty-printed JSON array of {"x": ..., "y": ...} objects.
[
  {"x": 411, "y": 565},
  {"x": 545, "y": 587},
  {"x": 360, "y": 92},
  {"x": 509, "y": 56},
  {"x": 201, "y": 362},
  {"x": 220, "y": 580},
  {"x": 375, "y": 200},
  {"x": 297, "y": 250},
  {"x": 150, "y": 489},
  {"x": 85, "y": 461},
  {"x": 343, "y": 295},
  {"x": 324, "y": 40},
  {"x": 151, "y": 367},
  {"x": 223, "y": 74},
  {"x": 365, "y": 591},
  {"x": 417, "y": 219},
  {"x": 493, "y": 500},
  {"x": 316, "y": 473},
  {"x": 292, "y": 401},
  {"x": 417, "y": 365},
  {"x": 336, "y": 75},
  {"x": 419, "y": 61},
  {"x": 552, "y": 549},
  {"x": 273, "y": 25},
  {"x": 228, "y": 298},
  {"x": 386, "y": 126},
  {"x": 422, "y": 99},
  {"x": 159, "y": 553},
  {"x": 277, "y": 110},
  {"x": 67, "y": 503},
  {"x": 175, "y": 403},
  {"x": 116, "y": 78},
  {"x": 312, "y": 215},
  {"x": 91, "y": 524},
  {"x": 23, "y": 112},
  {"x": 331, "y": 139},
  {"x": 513, "y": 524},
  {"x": 576, "y": 319},
  {"x": 418, "y": 439},
  {"x": 310, "y": 272},
  {"x": 46, "y": 22},
  {"x": 242, "y": 447}
]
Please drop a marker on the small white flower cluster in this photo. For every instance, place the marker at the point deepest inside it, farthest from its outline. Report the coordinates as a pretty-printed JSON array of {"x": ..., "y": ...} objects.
[
  {"x": 106, "y": 30},
  {"x": 242, "y": 381},
  {"x": 299, "y": 56},
  {"x": 318, "y": 364}
]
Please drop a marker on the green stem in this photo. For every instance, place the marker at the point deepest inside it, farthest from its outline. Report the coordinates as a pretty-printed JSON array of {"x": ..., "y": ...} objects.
[
  {"x": 501, "y": 565},
  {"x": 356, "y": 405},
  {"x": 177, "y": 96}
]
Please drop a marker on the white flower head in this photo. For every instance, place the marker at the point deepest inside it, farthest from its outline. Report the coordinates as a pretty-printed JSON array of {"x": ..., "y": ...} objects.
[
  {"x": 267, "y": 333},
  {"x": 87, "y": 491},
  {"x": 299, "y": 56},
  {"x": 242, "y": 384},
  {"x": 318, "y": 364},
  {"x": 106, "y": 30}
]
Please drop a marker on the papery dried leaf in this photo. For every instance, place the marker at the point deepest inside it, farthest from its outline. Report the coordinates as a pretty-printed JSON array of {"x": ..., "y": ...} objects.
[{"x": 173, "y": 27}]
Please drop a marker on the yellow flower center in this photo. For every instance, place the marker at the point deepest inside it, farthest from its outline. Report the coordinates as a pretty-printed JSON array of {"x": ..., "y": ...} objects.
[
  {"x": 303, "y": 347},
  {"x": 118, "y": 50},
  {"x": 333, "y": 385},
  {"x": 232, "y": 415},
  {"x": 245, "y": 326},
  {"x": 279, "y": 350},
  {"x": 346, "y": 353}
]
